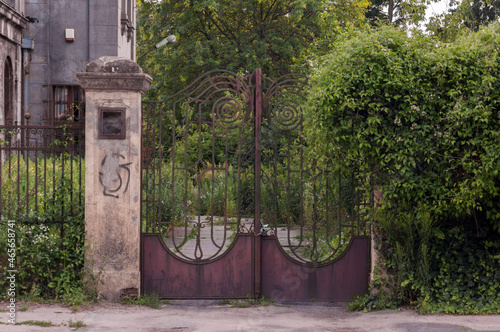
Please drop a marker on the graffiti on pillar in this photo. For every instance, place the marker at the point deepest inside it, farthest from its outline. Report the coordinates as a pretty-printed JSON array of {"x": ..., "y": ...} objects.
[{"x": 114, "y": 176}]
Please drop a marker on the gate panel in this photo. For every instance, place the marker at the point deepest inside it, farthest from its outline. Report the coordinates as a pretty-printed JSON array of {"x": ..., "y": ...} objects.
[
  {"x": 226, "y": 277},
  {"x": 237, "y": 202},
  {"x": 198, "y": 190},
  {"x": 285, "y": 280},
  {"x": 311, "y": 205}
]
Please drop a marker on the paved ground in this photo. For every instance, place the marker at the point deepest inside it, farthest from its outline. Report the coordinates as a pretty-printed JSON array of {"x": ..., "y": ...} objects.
[
  {"x": 216, "y": 239},
  {"x": 211, "y": 316}
]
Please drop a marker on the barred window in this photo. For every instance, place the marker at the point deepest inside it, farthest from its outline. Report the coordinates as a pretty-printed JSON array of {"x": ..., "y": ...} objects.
[{"x": 66, "y": 101}]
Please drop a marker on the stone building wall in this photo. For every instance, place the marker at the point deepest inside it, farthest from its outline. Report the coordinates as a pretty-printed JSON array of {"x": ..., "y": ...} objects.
[
  {"x": 98, "y": 31},
  {"x": 12, "y": 24}
]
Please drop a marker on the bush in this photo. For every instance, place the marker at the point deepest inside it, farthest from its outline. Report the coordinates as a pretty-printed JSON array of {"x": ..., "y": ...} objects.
[
  {"x": 421, "y": 120},
  {"x": 418, "y": 117}
]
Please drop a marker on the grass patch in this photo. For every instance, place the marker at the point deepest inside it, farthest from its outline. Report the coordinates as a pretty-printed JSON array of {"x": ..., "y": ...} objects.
[
  {"x": 76, "y": 324},
  {"x": 151, "y": 300},
  {"x": 37, "y": 323},
  {"x": 251, "y": 302}
]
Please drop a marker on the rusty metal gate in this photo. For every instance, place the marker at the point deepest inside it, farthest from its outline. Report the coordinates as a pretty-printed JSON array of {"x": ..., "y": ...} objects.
[{"x": 237, "y": 202}]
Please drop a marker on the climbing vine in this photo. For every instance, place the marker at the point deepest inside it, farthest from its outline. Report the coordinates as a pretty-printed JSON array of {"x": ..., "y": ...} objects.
[{"x": 420, "y": 119}]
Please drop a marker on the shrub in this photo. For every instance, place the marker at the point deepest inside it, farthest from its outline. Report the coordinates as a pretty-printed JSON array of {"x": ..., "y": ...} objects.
[{"x": 420, "y": 119}]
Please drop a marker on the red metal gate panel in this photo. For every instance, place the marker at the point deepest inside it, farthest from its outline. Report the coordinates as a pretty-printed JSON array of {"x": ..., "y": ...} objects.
[
  {"x": 283, "y": 279},
  {"x": 229, "y": 276}
]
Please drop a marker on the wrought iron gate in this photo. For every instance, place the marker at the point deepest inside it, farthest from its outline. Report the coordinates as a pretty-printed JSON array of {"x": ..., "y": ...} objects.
[{"x": 236, "y": 202}]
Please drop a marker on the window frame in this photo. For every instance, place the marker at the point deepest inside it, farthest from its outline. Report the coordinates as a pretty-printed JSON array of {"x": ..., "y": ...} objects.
[
  {"x": 121, "y": 112},
  {"x": 68, "y": 98}
]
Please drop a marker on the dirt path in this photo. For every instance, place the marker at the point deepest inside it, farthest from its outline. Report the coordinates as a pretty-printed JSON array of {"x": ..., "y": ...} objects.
[{"x": 201, "y": 316}]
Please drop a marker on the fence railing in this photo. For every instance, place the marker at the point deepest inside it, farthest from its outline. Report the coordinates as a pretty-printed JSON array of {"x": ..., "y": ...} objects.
[
  {"x": 41, "y": 172},
  {"x": 42, "y": 181}
]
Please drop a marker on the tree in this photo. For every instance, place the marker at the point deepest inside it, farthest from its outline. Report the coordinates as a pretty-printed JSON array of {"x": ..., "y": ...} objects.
[
  {"x": 238, "y": 35},
  {"x": 464, "y": 16},
  {"x": 397, "y": 12}
]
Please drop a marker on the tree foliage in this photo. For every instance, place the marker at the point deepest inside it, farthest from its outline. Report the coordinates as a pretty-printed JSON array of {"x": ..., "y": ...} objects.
[
  {"x": 238, "y": 35},
  {"x": 464, "y": 16},
  {"x": 397, "y": 12}
]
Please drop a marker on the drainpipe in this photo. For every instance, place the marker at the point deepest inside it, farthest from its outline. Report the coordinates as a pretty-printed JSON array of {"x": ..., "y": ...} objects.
[{"x": 28, "y": 44}]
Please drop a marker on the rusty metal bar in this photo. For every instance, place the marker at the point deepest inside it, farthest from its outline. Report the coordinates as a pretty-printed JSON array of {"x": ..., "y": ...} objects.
[
  {"x": 71, "y": 179},
  {"x": 159, "y": 121},
  {"x": 173, "y": 154},
  {"x": 80, "y": 191},
  {"x": 27, "y": 182},
  {"x": 36, "y": 180},
  {"x": 257, "y": 223},
  {"x": 10, "y": 178},
  {"x": 44, "y": 180},
  {"x": 63, "y": 162},
  {"x": 18, "y": 181}
]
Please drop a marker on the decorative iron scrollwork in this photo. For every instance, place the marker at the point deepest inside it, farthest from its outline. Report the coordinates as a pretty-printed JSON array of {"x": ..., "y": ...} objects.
[
  {"x": 229, "y": 111},
  {"x": 228, "y": 146}
]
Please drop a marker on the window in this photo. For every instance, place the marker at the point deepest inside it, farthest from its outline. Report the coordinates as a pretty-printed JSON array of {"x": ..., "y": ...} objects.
[
  {"x": 8, "y": 90},
  {"x": 66, "y": 101}
]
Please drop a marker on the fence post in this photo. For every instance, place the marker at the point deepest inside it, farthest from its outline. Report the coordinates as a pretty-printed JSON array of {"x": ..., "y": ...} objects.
[{"x": 113, "y": 88}]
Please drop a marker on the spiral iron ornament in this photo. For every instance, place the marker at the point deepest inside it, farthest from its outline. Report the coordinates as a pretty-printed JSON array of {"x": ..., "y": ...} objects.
[
  {"x": 286, "y": 114},
  {"x": 229, "y": 112}
]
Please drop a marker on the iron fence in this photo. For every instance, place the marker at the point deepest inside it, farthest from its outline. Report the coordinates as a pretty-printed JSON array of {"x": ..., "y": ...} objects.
[
  {"x": 42, "y": 201},
  {"x": 41, "y": 172}
]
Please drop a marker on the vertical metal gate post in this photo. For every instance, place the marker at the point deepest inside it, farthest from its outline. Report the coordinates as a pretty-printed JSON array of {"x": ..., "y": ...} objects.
[{"x": 257, "y": 226}]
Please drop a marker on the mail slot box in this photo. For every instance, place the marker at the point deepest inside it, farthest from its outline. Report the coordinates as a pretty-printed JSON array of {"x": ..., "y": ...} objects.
[{"x": 112, "y": 123}]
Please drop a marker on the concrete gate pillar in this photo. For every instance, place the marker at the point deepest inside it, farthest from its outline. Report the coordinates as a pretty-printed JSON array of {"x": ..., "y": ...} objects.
[{"x": 113, "y": 88}]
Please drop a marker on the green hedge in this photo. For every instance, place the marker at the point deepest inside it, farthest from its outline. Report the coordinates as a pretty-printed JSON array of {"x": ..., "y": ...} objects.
[{"x": 421, "y": 119}]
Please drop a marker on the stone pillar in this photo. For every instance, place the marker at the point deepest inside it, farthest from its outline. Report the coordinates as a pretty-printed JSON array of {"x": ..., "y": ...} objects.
[{"x": 113, "y": 88}]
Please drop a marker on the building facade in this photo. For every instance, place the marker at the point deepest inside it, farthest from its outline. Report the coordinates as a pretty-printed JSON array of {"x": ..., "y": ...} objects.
[
  {"x": 12, "y": 24},
  {"x": 61, "y": 36}
]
